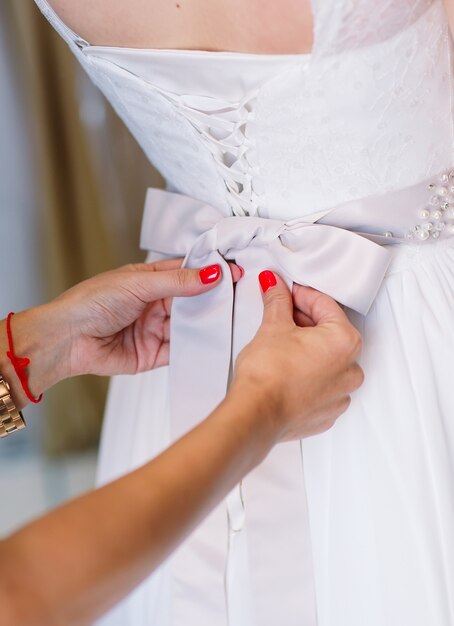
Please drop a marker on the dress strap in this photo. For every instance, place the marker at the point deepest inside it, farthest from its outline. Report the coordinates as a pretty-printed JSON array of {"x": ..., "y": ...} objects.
[{"x": 75, "y": 42}]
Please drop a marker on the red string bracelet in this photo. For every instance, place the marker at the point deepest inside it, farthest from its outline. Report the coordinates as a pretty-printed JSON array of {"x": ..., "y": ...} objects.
[{"x": 19, "y": 363}]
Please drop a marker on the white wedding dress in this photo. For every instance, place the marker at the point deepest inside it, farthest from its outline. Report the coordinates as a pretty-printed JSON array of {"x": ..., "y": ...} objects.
[{"x": 366, "y": 536}]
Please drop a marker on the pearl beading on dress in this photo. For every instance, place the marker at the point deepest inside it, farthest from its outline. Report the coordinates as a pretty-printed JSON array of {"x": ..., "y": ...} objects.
[{"x": 438, "y": 215}]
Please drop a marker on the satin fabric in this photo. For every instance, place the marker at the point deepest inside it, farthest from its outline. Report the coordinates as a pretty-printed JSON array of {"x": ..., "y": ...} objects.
[
  {"x": 367, "y": 113},
  {"x": 207, "y": 332}
]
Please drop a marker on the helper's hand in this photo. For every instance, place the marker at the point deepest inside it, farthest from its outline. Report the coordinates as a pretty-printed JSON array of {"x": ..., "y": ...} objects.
[
  {"x": 301, "y": 366},
  {"x": 120, "y": 320},
  {"x": 115, "y": 323}
]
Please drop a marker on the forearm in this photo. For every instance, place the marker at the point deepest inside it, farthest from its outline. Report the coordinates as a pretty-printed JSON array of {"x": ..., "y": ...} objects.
[
  {"x": 82, "y": 558},
  {"x": 449, "y": 4},
  {"x": 36, "y": 337}
]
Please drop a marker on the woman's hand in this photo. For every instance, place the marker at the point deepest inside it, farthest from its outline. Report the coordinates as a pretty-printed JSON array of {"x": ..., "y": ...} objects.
[
  {"x": 300, "y": 368},
  {"x": 120, "y": 320},
  {"x": 116, "y": 322},
  {"x": 291, "y": 381}
]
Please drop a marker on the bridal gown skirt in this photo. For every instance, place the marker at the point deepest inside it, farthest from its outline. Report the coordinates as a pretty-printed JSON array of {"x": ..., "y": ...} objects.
[
  {"x": 379, "y": 484},
  {"x": 282, "y": 137}
]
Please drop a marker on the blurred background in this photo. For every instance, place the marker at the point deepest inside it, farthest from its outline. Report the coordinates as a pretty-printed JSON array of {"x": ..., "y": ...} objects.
[{"x": 72, "y": 186}]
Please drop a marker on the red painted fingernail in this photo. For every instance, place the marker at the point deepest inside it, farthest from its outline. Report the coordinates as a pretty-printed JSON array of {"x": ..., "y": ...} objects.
[
  {"x": 267, "y": 279},
  {"x": 241, "y": 270},
  {"x": 210, "y": 274}
]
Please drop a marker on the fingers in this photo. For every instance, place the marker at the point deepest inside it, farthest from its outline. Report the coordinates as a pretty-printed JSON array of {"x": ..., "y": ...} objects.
[
  {"x": 301, "y": 319},
  {"x": 236, "y": 271},
  {"x": 356, "y": 377},
  {"x": 277, "y": 299},
  {"x": 316, "y": 306},
  {"x": 165, "y": 264},
  {"x": 191, "y": 281},
  {"x": 181, "y": 282}
]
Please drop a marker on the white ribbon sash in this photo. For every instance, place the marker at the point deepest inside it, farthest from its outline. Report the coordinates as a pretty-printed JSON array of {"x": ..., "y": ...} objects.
[{"x": 268, "y": 574}]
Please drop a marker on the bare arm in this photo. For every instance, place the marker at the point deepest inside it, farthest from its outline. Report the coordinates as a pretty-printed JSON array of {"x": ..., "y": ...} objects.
[
  {"x": 291, "y": 381},
  {"x": 449, "y": 4},
  {"x": 75, "y": 563}
]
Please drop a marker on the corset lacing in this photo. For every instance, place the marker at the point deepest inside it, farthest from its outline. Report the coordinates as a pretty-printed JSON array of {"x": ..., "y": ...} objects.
[{"x": 225, "y": 128}]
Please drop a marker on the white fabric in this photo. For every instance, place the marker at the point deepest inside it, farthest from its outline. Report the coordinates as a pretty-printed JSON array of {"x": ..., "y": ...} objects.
[{"x": 283, "y": 137}]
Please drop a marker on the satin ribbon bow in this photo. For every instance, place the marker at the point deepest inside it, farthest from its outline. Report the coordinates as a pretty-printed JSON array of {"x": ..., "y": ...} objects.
[
  {"x": 336, "y": 251},
  {"x": 339, "y": 262},
  {"x": 209, "y": 330}
]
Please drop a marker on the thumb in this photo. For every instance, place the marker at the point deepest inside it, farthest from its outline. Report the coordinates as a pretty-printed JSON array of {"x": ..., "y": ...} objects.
[
  {"x": 318, "y": 307},
  {"x": 277, "y": 299},
  {"x": 156, "y": 284}
]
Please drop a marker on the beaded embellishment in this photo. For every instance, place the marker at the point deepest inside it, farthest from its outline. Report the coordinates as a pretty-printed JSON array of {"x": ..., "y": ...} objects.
[{"x": 438, "y": 215}]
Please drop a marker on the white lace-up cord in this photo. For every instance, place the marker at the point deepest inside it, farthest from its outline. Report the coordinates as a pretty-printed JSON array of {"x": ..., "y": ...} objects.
[{"x": 224, "y": 128}]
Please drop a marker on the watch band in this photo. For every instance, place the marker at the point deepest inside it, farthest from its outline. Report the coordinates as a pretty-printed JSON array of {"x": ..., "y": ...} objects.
[{"x": 11, "y": 419}]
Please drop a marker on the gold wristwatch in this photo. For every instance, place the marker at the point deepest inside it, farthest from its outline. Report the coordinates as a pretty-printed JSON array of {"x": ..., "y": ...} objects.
[{"x": 11, "y": 419}]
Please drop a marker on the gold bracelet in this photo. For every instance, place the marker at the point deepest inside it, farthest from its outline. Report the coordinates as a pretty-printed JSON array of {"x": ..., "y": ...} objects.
[{"x": 11, "y": 420}]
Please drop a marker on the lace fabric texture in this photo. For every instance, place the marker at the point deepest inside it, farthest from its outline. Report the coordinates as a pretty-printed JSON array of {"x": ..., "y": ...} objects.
[
  {"x": 344, "y": 26},
  {"x": 378, "y": 74},
  {"x": 371, "y": 120},
  {"x": 369, "y": 111}
]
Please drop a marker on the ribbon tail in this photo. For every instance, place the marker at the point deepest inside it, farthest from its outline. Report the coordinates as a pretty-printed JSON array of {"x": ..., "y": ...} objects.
[
  {"x": 269, "y": 576},
  {"x": 200, "y": 357},
  {"x": 200, "y": 350}
]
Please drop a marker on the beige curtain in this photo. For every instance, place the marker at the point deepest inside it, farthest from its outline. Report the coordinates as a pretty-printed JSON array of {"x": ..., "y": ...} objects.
[{"x": 92, "y": 181}]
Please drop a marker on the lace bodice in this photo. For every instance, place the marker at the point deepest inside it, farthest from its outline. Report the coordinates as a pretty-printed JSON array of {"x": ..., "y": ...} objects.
[
  {"x": 367, "y": 112},
  {"x": 283, "y": 136}
]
